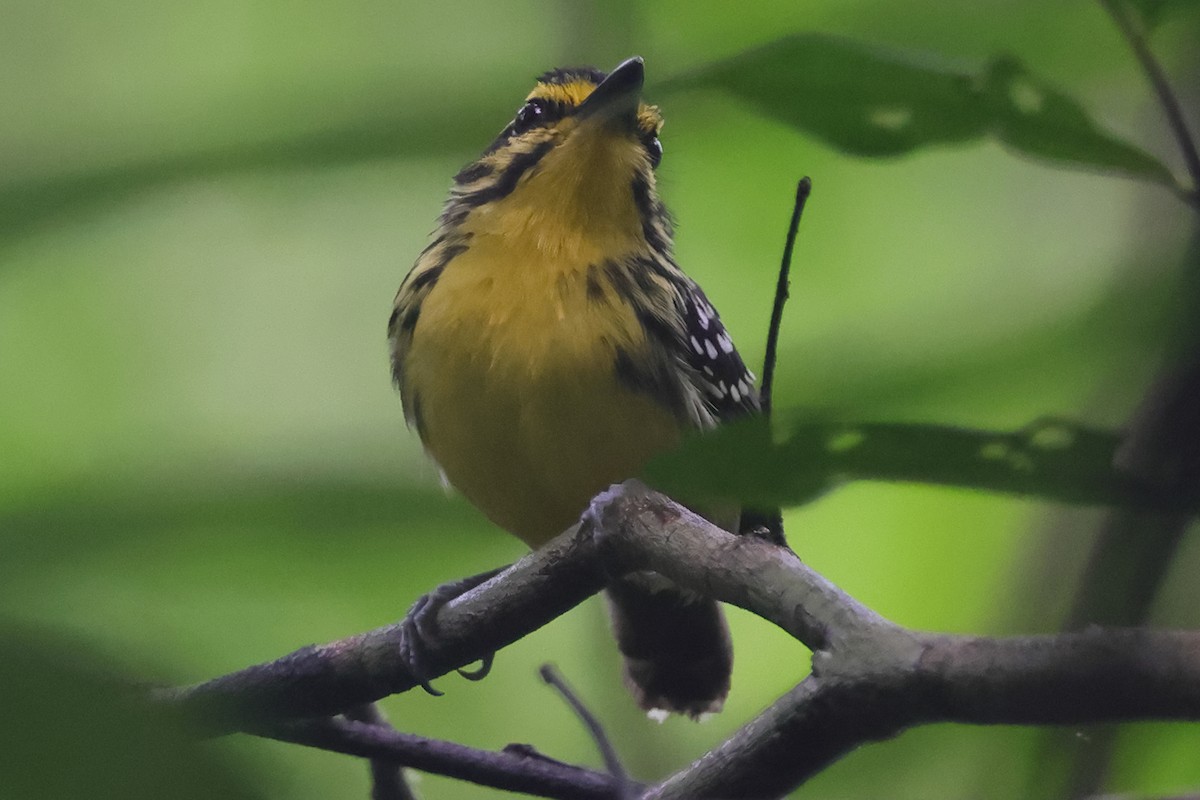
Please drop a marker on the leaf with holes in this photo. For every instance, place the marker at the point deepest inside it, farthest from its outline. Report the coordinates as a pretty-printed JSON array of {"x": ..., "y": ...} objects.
[
  {"x": 1056, "y": 460},
  {"x": 871, "y": 101}
]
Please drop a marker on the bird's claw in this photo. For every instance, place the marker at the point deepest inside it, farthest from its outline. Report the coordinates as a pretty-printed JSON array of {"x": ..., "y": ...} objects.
[
  {"x": 480, "y": 672},
  {"x": 419, "y": 632}
]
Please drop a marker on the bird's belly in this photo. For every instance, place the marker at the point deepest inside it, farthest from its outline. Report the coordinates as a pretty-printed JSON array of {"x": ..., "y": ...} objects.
[{"x": 521, "y": 405}]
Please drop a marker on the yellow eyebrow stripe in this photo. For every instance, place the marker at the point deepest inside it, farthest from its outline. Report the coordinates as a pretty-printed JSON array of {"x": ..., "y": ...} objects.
[
  {"x": 573, "y": 93},
  {"x": 570, "y": 94}
]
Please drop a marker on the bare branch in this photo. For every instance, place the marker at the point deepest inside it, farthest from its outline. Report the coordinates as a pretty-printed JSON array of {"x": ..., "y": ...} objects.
[
  {"x": 652, "y": 532},
  {"x": 611, "y": 761},
  {"x": 387, "y": 777},
  {"x": 1099, "y": 675},
  {"x": 870, "y": 678},
  {"x": 323, "y": 680},
  {"x": 512, "y": 770},
  {"x": 803, "y": 188}
]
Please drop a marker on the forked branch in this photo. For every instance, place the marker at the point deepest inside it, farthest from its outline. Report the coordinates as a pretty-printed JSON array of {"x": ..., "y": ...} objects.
[{"x": 870, "y": 677}]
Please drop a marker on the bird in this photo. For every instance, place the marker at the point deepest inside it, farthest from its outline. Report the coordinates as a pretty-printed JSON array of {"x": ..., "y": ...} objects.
[{"x": 546, "y": 345}]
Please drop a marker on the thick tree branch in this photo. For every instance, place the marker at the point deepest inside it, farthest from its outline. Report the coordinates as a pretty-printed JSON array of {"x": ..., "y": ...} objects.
[
  {"x": 870, "y": 677},
  {"x": 323, "y": 680},
  {"x": 1094, "y": 676},
  {"x": 644, "y": 530}
]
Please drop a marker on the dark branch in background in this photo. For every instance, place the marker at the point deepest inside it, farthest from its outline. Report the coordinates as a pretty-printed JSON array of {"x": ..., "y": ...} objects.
[
  {"x": 1135, "y": 35},
  {"x": 627, "y": 791},
  {"x": 803, "y": 189},
  {"x": 1133, "y": 552},
  {"x": 870, "y": 677}
]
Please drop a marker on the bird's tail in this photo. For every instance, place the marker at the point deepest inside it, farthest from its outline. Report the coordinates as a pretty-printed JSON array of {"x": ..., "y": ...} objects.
[{"x": 678, "y": 654}]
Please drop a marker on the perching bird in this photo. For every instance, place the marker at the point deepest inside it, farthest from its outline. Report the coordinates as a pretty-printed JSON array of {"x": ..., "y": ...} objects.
[{"x": 546, "y": 345}]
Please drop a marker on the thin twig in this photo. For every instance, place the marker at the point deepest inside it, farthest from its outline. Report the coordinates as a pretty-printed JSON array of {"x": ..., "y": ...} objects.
[
  {"x": 507, "y": 770},
  {"x": 612, "y": 761},
  {"x": 1136, "y": 37},
  {"x": 781, "y": 297},
  {"x": 387, "y": 777}
]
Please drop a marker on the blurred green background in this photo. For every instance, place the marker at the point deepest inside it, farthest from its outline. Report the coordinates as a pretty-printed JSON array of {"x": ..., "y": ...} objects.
[{"x": 205, "y": 210}]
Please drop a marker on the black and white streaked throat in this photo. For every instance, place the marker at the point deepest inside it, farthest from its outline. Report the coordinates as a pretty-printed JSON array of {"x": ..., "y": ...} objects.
[{"x": 577, "y": 160}]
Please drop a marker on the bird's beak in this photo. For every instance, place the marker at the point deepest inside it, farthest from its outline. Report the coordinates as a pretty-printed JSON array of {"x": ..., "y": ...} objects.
[{"x": 617, "y": 96}]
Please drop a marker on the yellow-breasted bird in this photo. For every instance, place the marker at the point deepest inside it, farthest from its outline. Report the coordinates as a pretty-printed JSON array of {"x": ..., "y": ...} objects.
[{"x": 546, "y": 345}]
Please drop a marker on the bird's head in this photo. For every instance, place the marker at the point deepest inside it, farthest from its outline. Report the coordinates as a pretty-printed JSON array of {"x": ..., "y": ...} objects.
[{"x": 580, "y": 154}]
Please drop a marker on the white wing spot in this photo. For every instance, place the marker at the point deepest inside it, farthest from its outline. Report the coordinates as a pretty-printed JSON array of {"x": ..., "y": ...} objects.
[
  {"x": 712, "y": 351},
  {"x": 697, "y": 346},
  {"x": 725, "y": 342},
  {"x": 735, "y": 393}
]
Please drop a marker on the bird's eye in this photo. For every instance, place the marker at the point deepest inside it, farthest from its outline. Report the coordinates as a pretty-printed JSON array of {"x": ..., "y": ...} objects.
[
  {"x": 529, "y": 115},
  {"x": 654, "y": 150}
]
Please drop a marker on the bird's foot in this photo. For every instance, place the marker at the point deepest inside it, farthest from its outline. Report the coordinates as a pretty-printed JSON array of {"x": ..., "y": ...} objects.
[{"x": 419, "y": 631}]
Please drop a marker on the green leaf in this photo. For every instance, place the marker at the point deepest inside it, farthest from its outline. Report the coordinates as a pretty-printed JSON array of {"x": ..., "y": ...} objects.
[
  {"x": 870, "y": 101},
  {"x": 1032, "y": 117},
  {"x": 1055, "y": 460},
  {"x": 77, "y": 728},
  {"x": 1153, "y": 12}
]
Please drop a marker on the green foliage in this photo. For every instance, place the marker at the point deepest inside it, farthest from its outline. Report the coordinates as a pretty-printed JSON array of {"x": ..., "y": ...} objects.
[
  {"x": 873, "y": 101},
  {"x": 77, "y": 728},
  {"x": 1050, "y": 459},
  {"x": 206, "y": 208},
  {"x": 1155, "y": 12}
]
